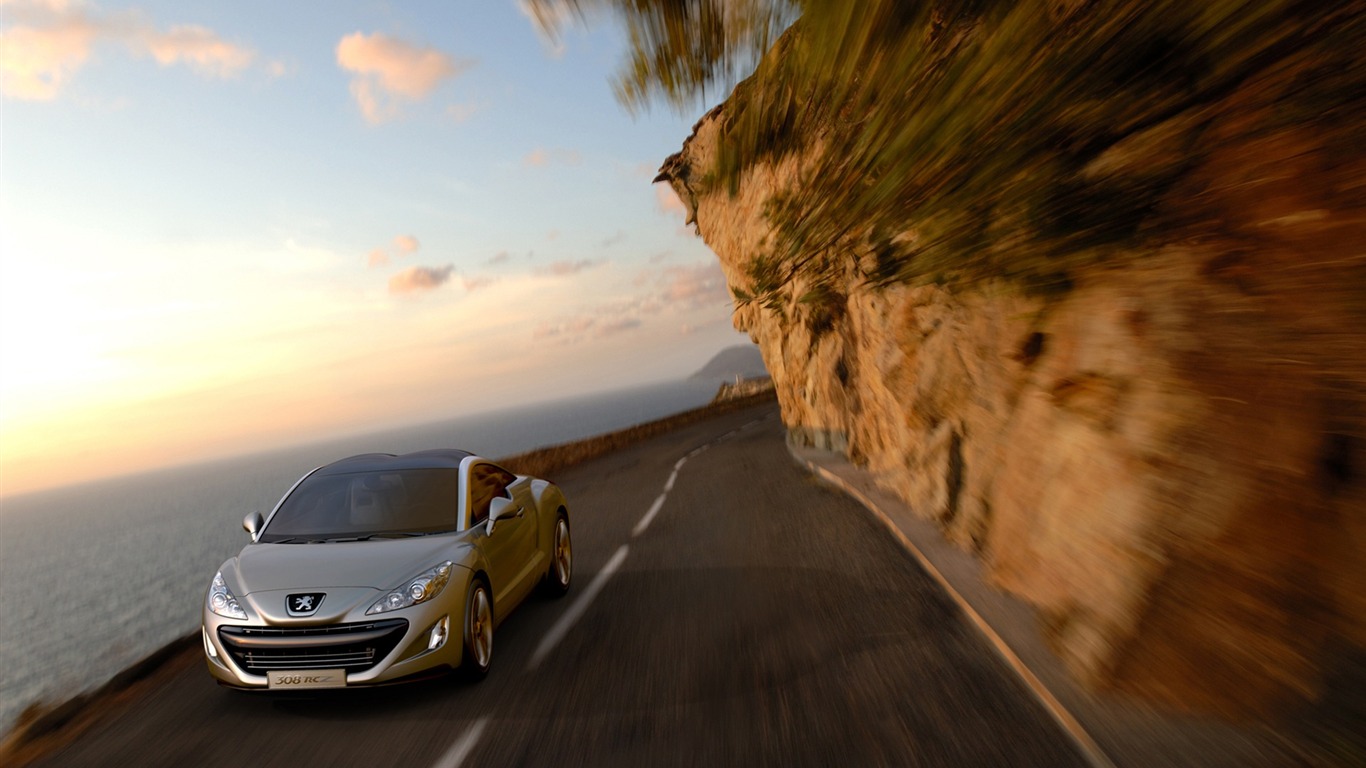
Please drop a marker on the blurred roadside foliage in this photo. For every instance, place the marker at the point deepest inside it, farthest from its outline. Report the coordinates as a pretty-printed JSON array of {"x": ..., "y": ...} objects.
[
  {"x": 952, "y": 141},
  {"x": 681, "y": 51}
]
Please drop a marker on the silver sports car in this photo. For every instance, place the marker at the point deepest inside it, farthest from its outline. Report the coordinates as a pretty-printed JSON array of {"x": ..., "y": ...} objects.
[{"x": 380, "y": 568}]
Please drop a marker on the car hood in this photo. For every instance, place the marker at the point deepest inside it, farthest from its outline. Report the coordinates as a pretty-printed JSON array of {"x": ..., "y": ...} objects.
[{"x": 379, "y": 564}]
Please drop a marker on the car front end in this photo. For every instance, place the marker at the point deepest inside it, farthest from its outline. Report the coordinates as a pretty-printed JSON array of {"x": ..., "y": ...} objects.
[{"x": 314, "y": 634}]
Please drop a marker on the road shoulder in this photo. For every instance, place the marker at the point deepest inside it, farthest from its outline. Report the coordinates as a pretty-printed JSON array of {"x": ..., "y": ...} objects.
[{"x": 1109, "y": 730}]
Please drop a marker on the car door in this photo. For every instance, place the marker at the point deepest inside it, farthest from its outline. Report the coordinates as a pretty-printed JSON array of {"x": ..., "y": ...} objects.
[
  {"x": 529, "y": 544},
  {"x": 511, "y": 546}
]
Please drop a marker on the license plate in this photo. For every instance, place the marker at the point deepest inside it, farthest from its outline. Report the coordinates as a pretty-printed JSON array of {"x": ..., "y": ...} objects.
[{"x": 312, "y": 678}]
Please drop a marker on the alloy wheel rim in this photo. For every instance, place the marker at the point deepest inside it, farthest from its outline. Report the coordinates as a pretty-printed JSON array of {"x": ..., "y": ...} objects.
[
  {"x": 481, "y": 628},
  {"x": 563, "y": 554}
]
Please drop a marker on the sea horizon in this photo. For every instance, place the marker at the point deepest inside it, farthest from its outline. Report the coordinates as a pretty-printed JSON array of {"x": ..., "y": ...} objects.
[{"x": 350, "y": 436}]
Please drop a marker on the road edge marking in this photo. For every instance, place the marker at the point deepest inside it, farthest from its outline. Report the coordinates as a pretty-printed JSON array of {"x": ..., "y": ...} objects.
[
  {"x": 1088, "y": 747},
  {"x": 463, "y": 746},
  {"x": 577, "y": 609}
]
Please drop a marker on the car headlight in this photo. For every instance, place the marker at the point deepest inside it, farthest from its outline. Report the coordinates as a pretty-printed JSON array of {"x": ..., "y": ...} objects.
[
  {"x": 222, "y": 601},
  {"x": 419, "y": 589}
]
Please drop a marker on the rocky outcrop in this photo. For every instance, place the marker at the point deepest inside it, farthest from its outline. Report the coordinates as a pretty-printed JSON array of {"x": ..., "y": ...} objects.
[
  {"x": 743, "y": 361},
  {"x": 1166, "y": 459}
]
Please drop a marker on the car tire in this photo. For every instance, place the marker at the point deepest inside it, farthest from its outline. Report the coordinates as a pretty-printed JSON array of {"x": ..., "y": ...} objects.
[
  {"x": 561, "y": 571},
  {"x": 477, "y": 631}
]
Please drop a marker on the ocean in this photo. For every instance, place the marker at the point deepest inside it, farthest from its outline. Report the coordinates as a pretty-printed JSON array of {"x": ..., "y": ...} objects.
[{"x": 96, "y": 576}]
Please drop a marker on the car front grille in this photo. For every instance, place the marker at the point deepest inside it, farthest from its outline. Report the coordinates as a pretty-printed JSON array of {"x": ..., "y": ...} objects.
[{"x": 353, "y": 647}]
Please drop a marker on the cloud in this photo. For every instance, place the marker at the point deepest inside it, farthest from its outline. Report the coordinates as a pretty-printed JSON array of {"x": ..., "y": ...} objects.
[
  {"x": 565, "y": 267},
  {"x": 667, "y": 201},
  {"x": 403, "y": 245},
  {"x": 477, "y": 282},
  {"x": 201, "y": 48},
  {"x": 21, "y": 6},
  {"x": 619, "y": 237},
  {"x": 661, "y": 293},
  {"x": 569, "y": 329},
  {"x": 695, "y": 286},
  {"x": 605, "y": 321},
  {"x": 387, "y": 71},
  {"x": 54, "y": 40},
  {"x": 613, "y": 327},
  {"x": 537, "y": 157},
  {"x": 417, "y": 279},
  {"x": 661, "y": 256},
  {"x": 459, "y": 113},
  {"x": 500, "y": 257},
  {"x": 36, "y": 62},
  {"x": 540, "y": 157}
]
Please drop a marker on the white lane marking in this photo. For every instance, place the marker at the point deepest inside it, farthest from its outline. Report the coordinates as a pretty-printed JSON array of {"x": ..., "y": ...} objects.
[
  {"x": 567, "y": 619},
  {"x": 645, "y": 521},
  {"x": 576, "y": 611},
  {"x": 463, "y": 746}
]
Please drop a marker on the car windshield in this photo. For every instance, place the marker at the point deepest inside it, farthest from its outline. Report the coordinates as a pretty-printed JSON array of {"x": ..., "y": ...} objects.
[{"x": 360, "y": 505}]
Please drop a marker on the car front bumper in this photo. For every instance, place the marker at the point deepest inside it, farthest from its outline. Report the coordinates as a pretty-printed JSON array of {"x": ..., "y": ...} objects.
[{"x": 353, "y": 650}]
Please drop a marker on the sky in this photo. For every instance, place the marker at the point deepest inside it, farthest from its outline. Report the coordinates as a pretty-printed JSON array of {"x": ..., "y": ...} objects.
[{"x": 226, "y": 227}]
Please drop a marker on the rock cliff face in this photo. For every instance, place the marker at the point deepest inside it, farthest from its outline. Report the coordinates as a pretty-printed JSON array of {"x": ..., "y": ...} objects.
[{"x": 1166, "y": 459}]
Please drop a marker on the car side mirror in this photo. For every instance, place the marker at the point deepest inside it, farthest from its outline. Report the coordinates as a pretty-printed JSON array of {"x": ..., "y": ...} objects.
[
  {"x": 253, "y": 523},
  {"x": 502, "y": 508}
]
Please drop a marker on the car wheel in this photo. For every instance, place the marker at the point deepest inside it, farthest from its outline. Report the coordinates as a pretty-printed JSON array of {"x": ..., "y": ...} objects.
[
  {"x": 561, "y": 571},
  {"x": 478, "y": 632}
]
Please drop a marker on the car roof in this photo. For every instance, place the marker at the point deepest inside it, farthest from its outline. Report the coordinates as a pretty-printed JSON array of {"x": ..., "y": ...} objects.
[{"x": 440, "y": 458}]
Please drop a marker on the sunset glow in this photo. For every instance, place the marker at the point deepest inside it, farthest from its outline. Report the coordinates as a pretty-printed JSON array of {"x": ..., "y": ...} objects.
[{"x": 223, "y": 230}]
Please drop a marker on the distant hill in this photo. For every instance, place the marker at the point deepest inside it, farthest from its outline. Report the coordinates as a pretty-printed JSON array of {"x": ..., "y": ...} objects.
[{"x": 742, "y": 360}]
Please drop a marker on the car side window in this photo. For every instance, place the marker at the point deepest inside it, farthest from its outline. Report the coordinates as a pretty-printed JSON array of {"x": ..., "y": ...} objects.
[
  {"x": 480, "y": 494},
  {"x": 501, "y": 480},
  {"x": 486, "y": 482}
]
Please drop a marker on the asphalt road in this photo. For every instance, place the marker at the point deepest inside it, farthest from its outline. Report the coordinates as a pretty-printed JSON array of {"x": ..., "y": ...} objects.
[{"x": 758, "y": 618}]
